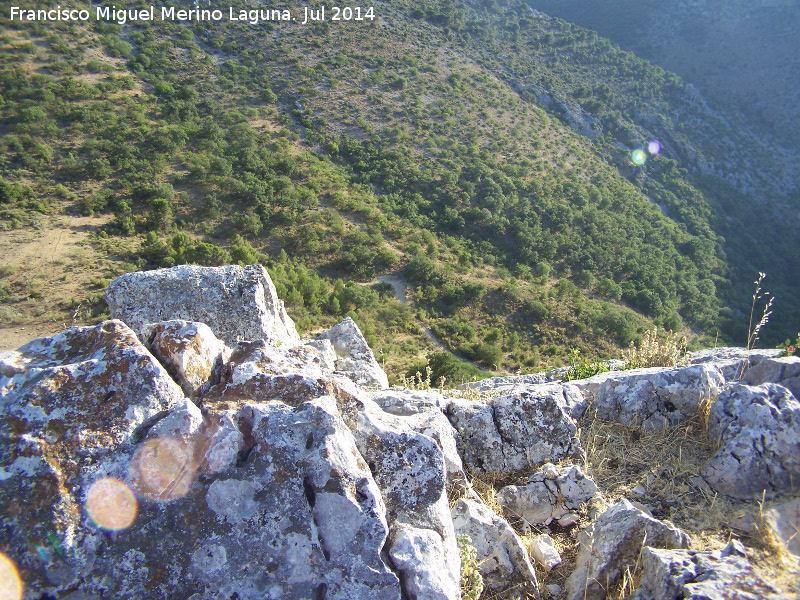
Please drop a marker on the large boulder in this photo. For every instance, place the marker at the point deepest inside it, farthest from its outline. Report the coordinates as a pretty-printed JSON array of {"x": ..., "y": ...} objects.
[
  {"x": 785, "y": 371},
  {"x": 502, "y": 558},
  {"x": 354, "y": 357},
  {"x": 655, "y": 397},
  {"x": 720, "y": 575},
  {"x": 514, "y": 432},
  {"x": 757, "y": 430},
  {"x": 614, "y": 542},
  {"x": 237, "y": 303}
]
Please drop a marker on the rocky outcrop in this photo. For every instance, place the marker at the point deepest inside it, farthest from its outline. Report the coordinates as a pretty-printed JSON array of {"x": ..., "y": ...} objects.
[
  {"x": 502, "y": 558},
  {"x": 733, "y": 362},
  {"x": 514, "y": 432},
  {"x": 785, "y": 371},
  {"x": 722, "y": 575},
  {"x": 354, "y": 357},
  {"x": 265, "y": 469},
  {"x": 614, "y": 542},
  {"x": 655, "y": 397},
  {"x": 238, "y": 303},
  {"x": 757, "y": 429}
]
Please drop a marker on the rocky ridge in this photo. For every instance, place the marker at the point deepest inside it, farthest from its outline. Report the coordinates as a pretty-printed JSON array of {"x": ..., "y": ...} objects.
[{"x": 195, "y": 447}]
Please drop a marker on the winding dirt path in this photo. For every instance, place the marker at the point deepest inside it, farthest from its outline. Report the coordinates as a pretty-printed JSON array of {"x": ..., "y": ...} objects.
[{"x": 399, "y": 285}]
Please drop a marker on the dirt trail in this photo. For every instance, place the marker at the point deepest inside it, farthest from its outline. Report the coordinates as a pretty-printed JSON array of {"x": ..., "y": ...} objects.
[{"x": 399, "y": 288}]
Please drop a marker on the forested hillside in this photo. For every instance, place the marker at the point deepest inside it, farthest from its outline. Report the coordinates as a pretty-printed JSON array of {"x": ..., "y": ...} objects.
[{"x": 435, "y": 142}]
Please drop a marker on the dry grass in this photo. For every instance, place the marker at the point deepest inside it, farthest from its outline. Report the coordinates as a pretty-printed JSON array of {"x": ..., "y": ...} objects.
[{"x": 654, "y": 352}]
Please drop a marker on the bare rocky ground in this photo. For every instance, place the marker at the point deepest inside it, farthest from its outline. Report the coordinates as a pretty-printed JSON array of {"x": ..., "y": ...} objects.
[{"x": 195, "y": 447}]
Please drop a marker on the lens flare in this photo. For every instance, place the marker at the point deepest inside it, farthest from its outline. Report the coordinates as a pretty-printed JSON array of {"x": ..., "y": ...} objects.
[
  {"x": 163, "y": 469},
  {"x": 11, "y": 587},
  {"x": 638, "y": 157},
  {"x": 111, "y": 504},
  {"x": 654, "y": 147}
]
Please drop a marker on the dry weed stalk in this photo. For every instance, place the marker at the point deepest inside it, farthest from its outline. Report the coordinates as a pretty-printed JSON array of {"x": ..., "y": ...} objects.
[
  {"x": 652, "y": 352},
  {"x": 752, "y": 331}
]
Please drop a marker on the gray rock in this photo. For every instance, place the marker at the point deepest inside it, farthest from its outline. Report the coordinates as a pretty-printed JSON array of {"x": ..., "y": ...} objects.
[
  {"x": 614, "y": 542},
  {"x": 655, "y": 397},
  {"x": 409, "y": 402},
  {"x": 757, "y": 430},
  {"x": 510, "y": 433},
  {"x": 722, "y": 575},
  {"x": 733, "y": 362},
  {"x": 189, "y": 351},
  {"x": 295, "y": 514},
  {"x": 327, "y": 355},
  {"x": 547, "y": 497},
  {"x": 785, "y": 371},
  {"x": 420, "y": 557},
  {"x": 543, "y": 551},
  {"x": 236, "y": 303},
  {"x": 410, "y": 470},
  {"x": 784, "y": 523},
  {"x": 91, "y": 388},
  {"x": 502, "y": 558},
  {"x": 354, "y": 356}
]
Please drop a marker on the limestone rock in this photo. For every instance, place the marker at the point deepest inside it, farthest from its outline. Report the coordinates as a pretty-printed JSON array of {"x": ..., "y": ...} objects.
[
  {"x": 502, "y": 558},
  {"x": 409, "y": 402},
  {"x": 784, "y": 523},
  {"x": 90, "y": 388},
  {"x": 655, "y": 397},
  {"x": 722, "y": 575},
  {"x": 614, "y": 542},
  {"x": 757, "y": 430},
  {"x": 420, "y": 557},
  {"x": 785, "y": 371},
  {"x": 548, "y": 496},
  {"x": 189, "y": 351},
  {"x": 733, "y": 362},
  {"x": 410, "y": 471},
  {"x": 236, "y": 303},
  {"x": 354, "y": 356},
  {"x": 510, "y": 433},
  {"x": 543, "y": 551}
]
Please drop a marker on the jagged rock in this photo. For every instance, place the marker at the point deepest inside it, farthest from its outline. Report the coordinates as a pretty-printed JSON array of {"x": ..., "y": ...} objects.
[
  {"x": 784, "y": 523},
  {"x": 510, "y": 433},
  {"x": 613, "y": 542},
  {"x": 260, "y": 371},
  {"x": 421, "y": 558},
  {"x": 409, "y": 468},
  {"x": 722, "y": 575},
  {"x": 543, "y": 551},
  {"x": 409, "y": 402},
  {"x": 550, "y": 494},
  {"x": 733, "y": 362},
  {"x": 88, "y": 387},
  {"x": 502, "y": 558},
  {"x": 189, "y": 351},
  {"x": 354, "y": 356},
  {"x": 655, "y": 397},
  {"x": 296, "y": 515},
  {"x": 757, "y": 430},
  {"x": 785, "y": 371},
  {"x": 327, "y": 355},
  {"x": 236, "y": 303}
]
